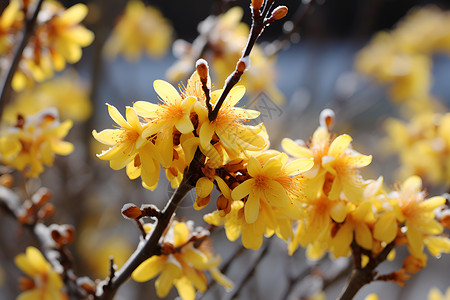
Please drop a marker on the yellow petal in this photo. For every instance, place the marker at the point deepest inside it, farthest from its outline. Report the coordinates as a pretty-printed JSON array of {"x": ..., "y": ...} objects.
[
  {"x": 363, "y": 236},
  {"x": 358, "y": 161},
  {"x": 339, "y": 145},
  {"x": 275, "y": 194},
  {"x": 117, "y": 117},
  {"x": 221, "y": 279},
  {"x": 235, "y": 95},
  {"x": 74, "y": 14},
  {"x": 206, "y": 133},
  {"x": 386, "y": 227},
  {"x": 166, "y": 91},
  {"x": 296, "y": 150},
  {"x": 299, "y": 166},
  {"x": 149, "y": 268},
  {"x": 196, "y": 257},
  {"x": 108, "y": 136},
  {"x": 181, "y": 233},
  {"x": 242, "y": 190},
  {"x": 251, "y": 208},
  {"x": 203, "y": 187},
  {"x": 432, "y": 203},
  {"x": 185, "y": 288},
  {"x": 223, "y": 187},
  {"x": 253, "y": 167},
  {"x": 184, "y": 125},
  {"x": 146, "y": 109}
]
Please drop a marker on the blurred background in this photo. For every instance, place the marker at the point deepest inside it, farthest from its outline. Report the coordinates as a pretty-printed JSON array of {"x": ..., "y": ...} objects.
[{"x": 304, "y": 67}]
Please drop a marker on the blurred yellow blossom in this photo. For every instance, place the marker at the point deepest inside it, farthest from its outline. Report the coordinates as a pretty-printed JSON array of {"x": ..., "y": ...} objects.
[
  {"x": 58, "y": 39},
  {"x": 11, "y": 21},
  {"x": 67, "y": 93},
  {"x": 34, "y": 141},
  {"x": 403, "y": 59},
  {"x": 44, "y": 282},
  {"x": 221, "y": 40},
  {"x": 435, "y": 294},
  {"x": 426, "y": 135},
  {"x": 182, "y": 263},
  {"x": 141, "y": 28}
]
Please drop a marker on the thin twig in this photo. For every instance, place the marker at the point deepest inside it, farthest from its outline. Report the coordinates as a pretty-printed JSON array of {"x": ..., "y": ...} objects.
[
  {"x": 363, "y": 276},
  {"x": 7, "y": 79},
  {"x": 250, "y": 272},
  {"x": 150, "y": 245},
  {"x": 258, "y": 25},
  {"x": 299, "y": 17}
]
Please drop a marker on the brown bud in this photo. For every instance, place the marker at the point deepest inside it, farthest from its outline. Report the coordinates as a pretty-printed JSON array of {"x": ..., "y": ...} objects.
[
  {"x": 69, "y": 232},
  {"x": 201, "y": 202},
  {"x": 279, "y": 12},
  {"x": 57, "y": 237},
  {"x": 26, "y": 283},
  {"x": 42, "y": 196},
  {"x": 202, "y": 69},
  {"x": 6, "y": 180},
  {"x": 87, "y": 284},
  {"x": 168, "y": 248},
  {"x": 223, "y": 204},
  {"x": 46, "y": 211},
  {"x": 257, "y": 4},
  {"x": 241, "y": 66},
  {"x": 131, "y": 211},
  {"x": 327, "y": 118}
]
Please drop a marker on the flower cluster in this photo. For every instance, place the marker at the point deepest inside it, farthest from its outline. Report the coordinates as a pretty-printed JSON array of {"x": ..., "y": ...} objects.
[
  {"x": 67, "y": 93},
  {"x": 221, "y": 40},
  {"x": 167, "y": 134},
  {"x": 342, "y": 211},
  {"x": 44, "y": 281},
  {"x": 11, "y": 22},
  {"x": 185, "y": 256},
  {"x": 403, "y": 59},
  {"x": 57, "y": 39},
  {"x": 33, "y": 142},
  {"x": 426, "y": 136},
  {"x": 140, "y": 28}
]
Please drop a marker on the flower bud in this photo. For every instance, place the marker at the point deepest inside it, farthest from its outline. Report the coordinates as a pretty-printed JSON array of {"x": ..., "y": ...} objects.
[
  {"x": 279, "y": 12},
  {"x": 131, "y": 211},
  {"x": 257, "y": 4},
  {"x": 327, "y": 118},
  {"x": 202, "y": 69}
]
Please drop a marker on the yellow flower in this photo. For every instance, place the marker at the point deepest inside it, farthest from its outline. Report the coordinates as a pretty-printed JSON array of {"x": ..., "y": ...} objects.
[
  {"x": 45, "y": 283},
  {"x": 270, "y": 185},
  {"x": 33, "y": 142},
  {"x": 171, "y": 117},
  {"x": 128, "y": 148},
  {"x": 335, "y": 165},
  {"x": 58, "y": 39},
  {"x": 229, "y": 128},
  {"x": 435, "y": 294},
  {"x": 416, "y": 212},
  {"x": 140, "y": 28},
  {"x": 181, "y": 264},
  {"x": 67, "y": 93},
  {"x": 11, "y": 21},
  {"x": 356, "y": 226},
  {"x": 269, "y": 199}
]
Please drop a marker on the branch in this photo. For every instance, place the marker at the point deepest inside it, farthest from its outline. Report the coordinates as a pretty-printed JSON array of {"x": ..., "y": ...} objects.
[
  {"x": 150, "y": 246},
  {"x": 6, "y": 80},
  {"x": 258, "y": 25},
  {"x": 363, "y": 276}
]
